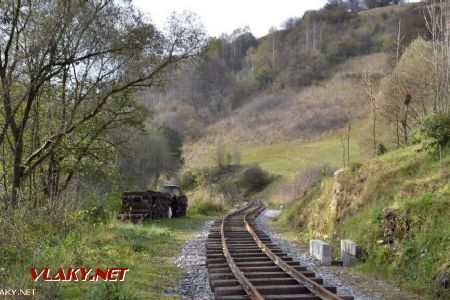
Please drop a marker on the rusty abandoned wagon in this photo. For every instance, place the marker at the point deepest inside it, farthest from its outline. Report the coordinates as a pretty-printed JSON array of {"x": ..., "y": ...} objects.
[{"x": 153, "y": 205}]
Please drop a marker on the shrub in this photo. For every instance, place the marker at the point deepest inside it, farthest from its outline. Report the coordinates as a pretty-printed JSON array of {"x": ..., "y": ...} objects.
[
  {"x": 434, "y": 131},
  {"x": 229, "y": 188},
  {"x": 264, "y": 76},
  {"x": 254, "y": 179},
  {"x": 381, "y": 149},
  {"x": 187, "y": 181}
]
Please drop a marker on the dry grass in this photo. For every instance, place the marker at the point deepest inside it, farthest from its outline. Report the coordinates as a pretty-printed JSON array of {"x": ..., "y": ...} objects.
[
  {"x": 203, "y": 194},
  {"x": 287, "y": 159},
  {"x": 287, "y": 116},
  {"x": 290, "y": 190}
]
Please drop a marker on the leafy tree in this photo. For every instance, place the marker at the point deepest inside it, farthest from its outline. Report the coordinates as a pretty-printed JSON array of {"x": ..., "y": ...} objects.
[
  {"x": 434, "y": 131},
  {"x": 254, "y": 179},
  {"x": 69, "y": 69},
  {"x": 264, "y": 76},
  {"x": 308, "y": 66},
  {"x": 147, "y": 159},
  {"x": 174, "y": 142},
  {"x": 342, "y": 49}
]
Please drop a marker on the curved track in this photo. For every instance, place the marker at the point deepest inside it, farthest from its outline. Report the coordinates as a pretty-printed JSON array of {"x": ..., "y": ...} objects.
[{"x": 243, "y": 263}]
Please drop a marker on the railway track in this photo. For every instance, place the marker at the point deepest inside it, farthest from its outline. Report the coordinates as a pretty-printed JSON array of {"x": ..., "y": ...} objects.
[{"x": 243, "y": 263}]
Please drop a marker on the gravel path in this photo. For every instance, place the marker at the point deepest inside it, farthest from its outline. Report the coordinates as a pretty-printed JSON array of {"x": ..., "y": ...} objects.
[
  {"x": 195, "y": 284},
  {"x": 362, "y": 287}
]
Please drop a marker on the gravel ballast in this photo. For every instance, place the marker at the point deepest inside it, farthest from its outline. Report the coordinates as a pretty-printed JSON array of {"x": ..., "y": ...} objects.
[
  {"x": 192, "y": 259},
  {"x": 347, "y": 281},
  {"x": 195, "y": 283}
]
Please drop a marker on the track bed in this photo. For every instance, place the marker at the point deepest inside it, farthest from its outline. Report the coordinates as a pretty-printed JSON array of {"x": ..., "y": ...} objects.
[{"x": 243, "y": 263}]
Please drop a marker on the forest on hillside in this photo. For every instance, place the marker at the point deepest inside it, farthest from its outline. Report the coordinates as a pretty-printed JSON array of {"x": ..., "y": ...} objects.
[{"x": 235, "y": 69}]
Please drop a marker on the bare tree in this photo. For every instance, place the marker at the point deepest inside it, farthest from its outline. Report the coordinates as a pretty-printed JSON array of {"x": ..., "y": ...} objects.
[
  {"x": 220, "y": 155},
  {"x": 404, "y": 121},
  {"x": 344, "y": 152},
  {"x": 237, "y": 157},
  {"x": 272, "y": 34},
  {"x": 413, "y": 76},
  {"x": 370, "y": 93},
  {"x": 344, "y": 136},
  {"x": 348, "y": 143},
  {"x": 437, "y": 23},
  {"x": 397, "y": 42}
]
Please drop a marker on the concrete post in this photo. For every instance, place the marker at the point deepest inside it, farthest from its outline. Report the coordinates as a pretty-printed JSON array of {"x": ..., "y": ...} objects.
[{"x": 321, "y": 251}]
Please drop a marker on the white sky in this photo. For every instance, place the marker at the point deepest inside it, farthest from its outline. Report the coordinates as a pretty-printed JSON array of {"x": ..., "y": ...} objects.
[{"x": 226, "y": 15}]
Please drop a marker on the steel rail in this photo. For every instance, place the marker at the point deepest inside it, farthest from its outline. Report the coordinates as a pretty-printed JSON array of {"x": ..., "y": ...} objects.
[
  {"x": 244, "y": 282},
  {"x": 313, "y": 287}
]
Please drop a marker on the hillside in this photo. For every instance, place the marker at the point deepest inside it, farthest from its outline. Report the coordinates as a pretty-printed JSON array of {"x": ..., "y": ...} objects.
[
  {"x": 286, "y": 115},
  {"x": 294, "y": 115},
  {"x": 282, "y": 81},
  {"x": 287, "y": 120},
  {"x": 401, "y": 198},
  {"x": 388, "y": 137}
]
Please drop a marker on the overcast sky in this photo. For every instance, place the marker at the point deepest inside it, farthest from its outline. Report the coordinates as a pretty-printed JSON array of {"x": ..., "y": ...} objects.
[{"x": 226, "y": 15}]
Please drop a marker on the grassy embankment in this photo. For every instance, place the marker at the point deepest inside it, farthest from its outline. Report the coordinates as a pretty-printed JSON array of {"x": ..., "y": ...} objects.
[
  {"x": 289, "y": 158},
  {"x": 403, "y": 195},
  {"x": 146, "y": 249},
  {"x": 405, "y": 181},
  {"x": 283, "y": 162}
]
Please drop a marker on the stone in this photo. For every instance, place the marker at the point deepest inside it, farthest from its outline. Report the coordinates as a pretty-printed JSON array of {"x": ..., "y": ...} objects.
[
  {"x": 348, "y": 260},
  {"x": 350, "y": 251},
  {"x": 321, "y": 251}
]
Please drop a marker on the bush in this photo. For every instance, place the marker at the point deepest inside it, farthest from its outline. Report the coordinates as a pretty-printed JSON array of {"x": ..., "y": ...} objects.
[
  {"x": 264, "y": 76},
  {"x": 254, "y": 179},
  {"x": 381, "y": 149},
  {"x": 434, "y": 131},
  {"x": 229, "y": 188},
  {"x": 187, "y": 181}
]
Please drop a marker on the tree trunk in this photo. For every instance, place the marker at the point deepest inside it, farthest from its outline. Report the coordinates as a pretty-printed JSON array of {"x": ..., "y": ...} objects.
[
  {"x": 405, "y": 125},
  {"x": 348, "y": 144},
  {"x": 17, "y": 175},
  {"x": 343, "y": 149},
  {"x": 397, "y": 131}
]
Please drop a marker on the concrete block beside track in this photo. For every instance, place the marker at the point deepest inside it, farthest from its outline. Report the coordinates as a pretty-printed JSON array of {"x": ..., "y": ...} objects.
[
  {"x": 321, "y": 251},
  {"x": 350, "y": 251}
]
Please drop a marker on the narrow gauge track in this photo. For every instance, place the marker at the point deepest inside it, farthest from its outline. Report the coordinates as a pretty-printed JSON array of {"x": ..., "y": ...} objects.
[{"x": 243, "y": 263}]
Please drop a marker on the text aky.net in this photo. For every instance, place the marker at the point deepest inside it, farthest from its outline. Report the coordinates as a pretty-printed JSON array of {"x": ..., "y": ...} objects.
[{"x": 79, "y": 274}]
